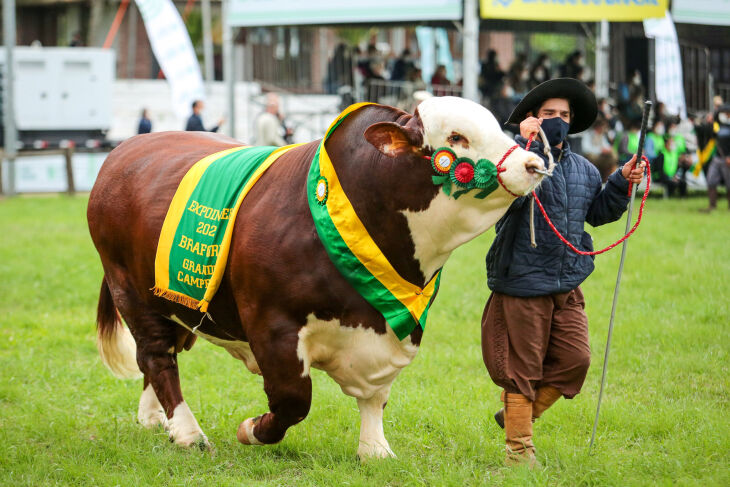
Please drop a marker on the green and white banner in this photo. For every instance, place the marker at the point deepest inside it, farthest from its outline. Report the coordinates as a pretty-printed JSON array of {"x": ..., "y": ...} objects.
[
  {"x": 246, "y": 13},
  {"x": 709, "y": 12}
]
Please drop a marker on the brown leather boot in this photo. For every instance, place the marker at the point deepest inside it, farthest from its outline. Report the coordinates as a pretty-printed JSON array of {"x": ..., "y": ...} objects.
[
  {"x": 545, "y": 397},
  {"x": 518, "y": 430}
]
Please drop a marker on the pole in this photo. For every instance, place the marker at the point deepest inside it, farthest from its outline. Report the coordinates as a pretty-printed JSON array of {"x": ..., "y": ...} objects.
[
  {"x": 11, "y": 133},
  {"x": 471, "y": 50},
  {"x": 640, "y": 150},
  {"x": 602, "y": 59},
  {"x": 207, "y": 42},
  {"x": 228, "y": 70}
]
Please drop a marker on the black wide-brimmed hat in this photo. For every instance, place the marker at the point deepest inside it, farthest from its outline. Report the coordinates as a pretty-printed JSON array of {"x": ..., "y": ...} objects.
[{"x": 581, "y": 98}]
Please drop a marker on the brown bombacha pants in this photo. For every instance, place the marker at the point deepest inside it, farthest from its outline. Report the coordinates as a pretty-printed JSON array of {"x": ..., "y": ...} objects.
[{"x": 532, "y": 342}]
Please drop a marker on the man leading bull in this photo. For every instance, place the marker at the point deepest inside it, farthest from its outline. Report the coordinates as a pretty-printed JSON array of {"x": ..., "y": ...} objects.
[{"x": 534, "y": 326}]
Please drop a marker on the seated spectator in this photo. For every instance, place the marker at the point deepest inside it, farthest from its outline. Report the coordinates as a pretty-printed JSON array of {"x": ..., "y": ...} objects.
[
  {"x": 629, "y": 141},
  {"x": 597, "y": 148},
  {"x": 676, "y": 161}
]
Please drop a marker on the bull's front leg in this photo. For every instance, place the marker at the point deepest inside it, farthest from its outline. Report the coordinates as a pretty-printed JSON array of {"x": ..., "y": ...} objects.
[
  {"x": 372, "y": 439},
  {"x": 289, "y": 390}
]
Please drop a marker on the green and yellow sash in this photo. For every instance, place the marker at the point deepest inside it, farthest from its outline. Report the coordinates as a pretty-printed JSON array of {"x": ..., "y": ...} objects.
[
  {"x": 196, "y": 235},
  {"x": 354, "y": 253}
]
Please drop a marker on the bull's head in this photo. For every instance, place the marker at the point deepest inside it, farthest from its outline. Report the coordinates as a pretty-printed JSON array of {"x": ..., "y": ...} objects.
[{"x": 470, "y": 133}]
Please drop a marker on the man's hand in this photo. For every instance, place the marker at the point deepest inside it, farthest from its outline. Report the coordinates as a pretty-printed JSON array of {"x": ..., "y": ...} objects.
[
  {"x": 529, "y": 126},
  {"x": 633, "y": 174}
]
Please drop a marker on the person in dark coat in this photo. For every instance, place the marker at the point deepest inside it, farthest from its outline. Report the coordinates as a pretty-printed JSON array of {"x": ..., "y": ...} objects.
[
  {"x": 195, "y": 123},
  {"x": 534, "y": 327},
  {"x": 145, "y": 124}
]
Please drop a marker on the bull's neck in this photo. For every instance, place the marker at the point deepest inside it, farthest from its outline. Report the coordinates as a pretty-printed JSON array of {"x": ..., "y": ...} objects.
[{"x": 448, "y": 223}]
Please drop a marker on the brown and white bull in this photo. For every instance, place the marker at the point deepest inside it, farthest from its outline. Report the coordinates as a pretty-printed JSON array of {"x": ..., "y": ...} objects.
[{"x": 282, "y": 306}]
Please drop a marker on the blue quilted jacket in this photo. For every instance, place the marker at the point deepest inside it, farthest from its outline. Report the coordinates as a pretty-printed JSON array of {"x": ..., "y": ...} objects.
[{"x": 572, "y": 196}]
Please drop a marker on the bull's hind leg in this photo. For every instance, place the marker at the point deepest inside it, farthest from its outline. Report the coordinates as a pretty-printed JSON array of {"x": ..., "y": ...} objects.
[
  {"x": 150, "y": 412},
  {"x": 289, "y": 390},
  {"x": 156, "y": 338}
]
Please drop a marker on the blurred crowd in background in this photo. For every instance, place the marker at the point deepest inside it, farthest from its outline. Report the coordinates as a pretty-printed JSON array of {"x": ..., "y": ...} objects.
[{"x": 676, "y": 147}]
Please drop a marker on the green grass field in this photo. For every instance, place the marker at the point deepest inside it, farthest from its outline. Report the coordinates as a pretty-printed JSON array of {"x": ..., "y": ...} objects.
[{"x": 65, "y": 420}]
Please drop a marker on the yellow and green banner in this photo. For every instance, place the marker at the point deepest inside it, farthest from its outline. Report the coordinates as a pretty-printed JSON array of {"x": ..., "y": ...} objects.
[
  {"x": 196, "y": 234},
  {"x": 573, "y": 10},
  {"x": 354, "y": 253}
]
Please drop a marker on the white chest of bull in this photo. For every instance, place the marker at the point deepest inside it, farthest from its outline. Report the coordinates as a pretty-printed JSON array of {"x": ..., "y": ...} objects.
[{"x": 360, "y": 360}]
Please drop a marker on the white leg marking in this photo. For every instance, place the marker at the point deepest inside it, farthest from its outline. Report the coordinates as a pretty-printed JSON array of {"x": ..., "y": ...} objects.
[
  {"x": 150, "y": 412},
  {"x": 245, "y": 433},
  {"x": 372, "y": 439},
  {"x": 183, "y": 428}
]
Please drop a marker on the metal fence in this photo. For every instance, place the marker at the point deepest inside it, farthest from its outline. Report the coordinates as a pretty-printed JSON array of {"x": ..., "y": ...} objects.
[
  {"x": 402, "y": 94},
  {"x": 696, "y": 74}
]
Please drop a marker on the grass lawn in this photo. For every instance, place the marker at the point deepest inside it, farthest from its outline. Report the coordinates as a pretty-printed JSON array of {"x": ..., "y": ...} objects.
[{"x": 65, "y": 420}]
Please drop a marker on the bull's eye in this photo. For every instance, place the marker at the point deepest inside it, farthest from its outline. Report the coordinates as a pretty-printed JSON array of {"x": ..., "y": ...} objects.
[{"x": 456, "y": 138}]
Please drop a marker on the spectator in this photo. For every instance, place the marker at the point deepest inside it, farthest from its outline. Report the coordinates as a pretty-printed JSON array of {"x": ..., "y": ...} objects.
[
  {"x": 719, "y": 169},
  {"x": 270, "y": 127},
  {"x": 375, "y": 87},
  {"x": 629, "y": 142},
  {"x": 402, "y": 66},
  {"x": 145, "y": 124},
  {"x": 504, "y": 103},
  {"x": 76, "y": 40},
  {"x": 339, "y": 69},
  {"x": 540, "y": 70},
  {"x": 574, "y": 61},
  {"x": 195, "y": 123},
  {"x": 520, "y": 81},
  {"x": 439, "y": 81},
  {"x": 491, "y": 75},
  {"x": 365, "y": 63},
  {"x": 597, "y": 148}
]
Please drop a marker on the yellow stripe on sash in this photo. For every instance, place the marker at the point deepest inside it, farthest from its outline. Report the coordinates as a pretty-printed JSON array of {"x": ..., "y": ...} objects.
[
  {"x": 361, "y": 244},
  {"x": 175, "y": 212},
  {"x": 220, "y": 265}
]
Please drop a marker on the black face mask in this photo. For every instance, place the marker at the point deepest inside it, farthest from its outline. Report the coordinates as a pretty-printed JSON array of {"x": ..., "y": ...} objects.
[{"x": 556, "y": 129}]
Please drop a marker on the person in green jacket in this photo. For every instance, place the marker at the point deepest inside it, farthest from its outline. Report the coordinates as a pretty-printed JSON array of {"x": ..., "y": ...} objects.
[{"x": 676, "y": 160}]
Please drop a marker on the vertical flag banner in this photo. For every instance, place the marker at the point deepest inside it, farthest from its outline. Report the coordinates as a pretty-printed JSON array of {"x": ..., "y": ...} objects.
[
  {"x": 669, "y": 84},
  {"x": 174, "y": 52}
]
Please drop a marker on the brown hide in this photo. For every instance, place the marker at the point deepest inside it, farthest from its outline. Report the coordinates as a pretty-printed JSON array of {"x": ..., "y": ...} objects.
[
  {"x": 277, "y": 264},
  {"x": 278, "y": 272}
]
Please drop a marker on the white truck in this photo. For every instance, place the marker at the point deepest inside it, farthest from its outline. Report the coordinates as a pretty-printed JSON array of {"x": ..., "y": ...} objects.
[{"x": 61, "y": 94}]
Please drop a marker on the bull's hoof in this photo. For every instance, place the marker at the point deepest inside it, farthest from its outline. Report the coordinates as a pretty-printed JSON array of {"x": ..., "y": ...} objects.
[
  {"x": 194, "y": 443},
  {"x": 152, "y": 419},
  {"x": 369, "y": 452},
  {"x": 245, "y": 432}
]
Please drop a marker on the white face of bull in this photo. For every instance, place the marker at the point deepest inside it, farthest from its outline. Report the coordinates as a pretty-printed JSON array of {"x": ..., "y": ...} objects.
[{"x": 470, "y": 130}]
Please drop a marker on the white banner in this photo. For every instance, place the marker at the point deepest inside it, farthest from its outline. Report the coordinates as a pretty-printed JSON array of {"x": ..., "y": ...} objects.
[
  {"x": 669, "y": 85},
  {"x": 245, "y": 13},
  {"x": 710, "y": 12},
  {"x": 174, "y": 52}
]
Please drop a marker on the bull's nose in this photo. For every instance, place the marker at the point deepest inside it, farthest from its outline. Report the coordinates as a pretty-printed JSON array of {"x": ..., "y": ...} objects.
[{"x": 534, "y": 165}]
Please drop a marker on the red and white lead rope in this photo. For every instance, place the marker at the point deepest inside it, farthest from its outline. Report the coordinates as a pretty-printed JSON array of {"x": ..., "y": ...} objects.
[{"x": 630, "y": 232}]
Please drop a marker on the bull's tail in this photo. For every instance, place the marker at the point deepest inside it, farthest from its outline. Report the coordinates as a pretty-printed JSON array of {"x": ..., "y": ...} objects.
[{"x": 115, "y": 343}]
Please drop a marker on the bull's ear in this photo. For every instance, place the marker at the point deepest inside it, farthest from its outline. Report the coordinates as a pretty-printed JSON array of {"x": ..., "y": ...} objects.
[{"x": 392, "y": 139}]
